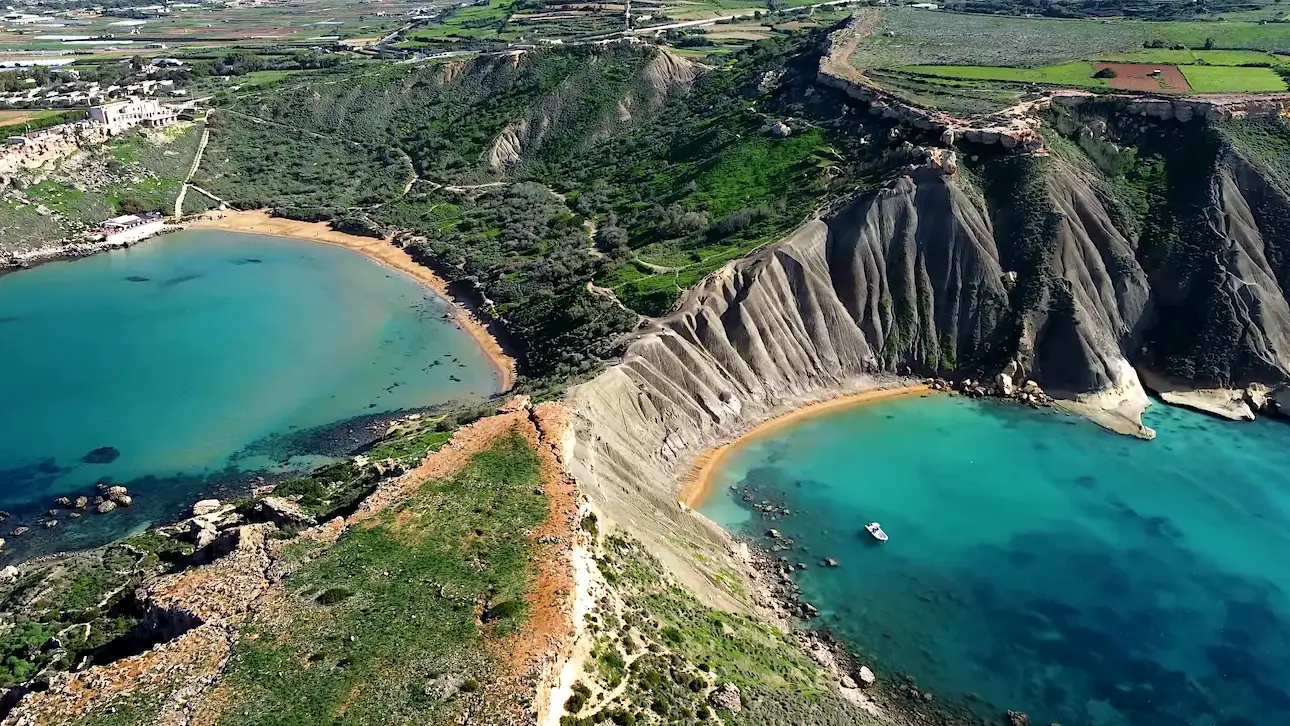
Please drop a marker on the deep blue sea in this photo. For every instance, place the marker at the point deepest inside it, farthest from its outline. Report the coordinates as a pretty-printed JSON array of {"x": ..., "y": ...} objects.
[
  {"x": 201, "y": 358},
  {"x": 1038, "y": 563}
]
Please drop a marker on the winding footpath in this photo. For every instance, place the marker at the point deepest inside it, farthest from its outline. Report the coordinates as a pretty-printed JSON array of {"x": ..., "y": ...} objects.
[{"x": 192, "y": 169}]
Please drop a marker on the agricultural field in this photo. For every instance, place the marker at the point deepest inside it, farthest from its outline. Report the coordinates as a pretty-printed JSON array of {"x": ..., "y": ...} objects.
[
  {"x": 1128, "y": 77},
  {"x": 305, "y": 22},
  {"x": 724, "y": 38},
  {"x": 980, "y": 64},
  {"x": 1224, "y": 79},
  {"x": 919, "y": 37},
  {"x": 17, "y": 121}
]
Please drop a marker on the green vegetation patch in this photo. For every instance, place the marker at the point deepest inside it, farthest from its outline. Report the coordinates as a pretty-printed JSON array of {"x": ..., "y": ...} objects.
[
  {"x": 1232, "y": 79},
  {"x": 137, "y": 172},
  {"x": 1169, "y": 56},
  {"x": 1075, "y": 73},
  {"x": 1264, "y": 143},
  {"x": 409, "y": 446},
  {"x": 1201, "y": 78},
  {"x": 382, "y": 626},
  {"x": 904, "y": 36},
  {"x": 673, "y": 651}
]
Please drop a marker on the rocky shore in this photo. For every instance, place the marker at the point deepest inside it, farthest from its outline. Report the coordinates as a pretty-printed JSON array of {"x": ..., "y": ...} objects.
[
  {"x": 38, "y": 533},
  {"x": 24, "y": 259},
  {"x": 773, "y": 559}
]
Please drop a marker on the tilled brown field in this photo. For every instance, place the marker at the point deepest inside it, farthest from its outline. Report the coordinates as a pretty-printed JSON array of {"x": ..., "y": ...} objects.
[{"x": 1139, "y": 77}]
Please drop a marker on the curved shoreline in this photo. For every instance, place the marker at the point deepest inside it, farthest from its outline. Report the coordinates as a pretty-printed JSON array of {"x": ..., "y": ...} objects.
[
  {"x": 696, "y": 485},
  {"x": 380, "y": 251}
]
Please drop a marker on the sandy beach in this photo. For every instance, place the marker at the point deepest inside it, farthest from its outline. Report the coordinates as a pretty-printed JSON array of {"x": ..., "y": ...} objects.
[
  {"x": 695, "y": 486},
  {"x": 377, "y": 250}
]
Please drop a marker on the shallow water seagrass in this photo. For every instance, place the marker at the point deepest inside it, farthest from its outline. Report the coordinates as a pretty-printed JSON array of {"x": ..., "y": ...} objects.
[
  {"x": 198, "y": 358},
  {"x": 1038, "y": 563}
]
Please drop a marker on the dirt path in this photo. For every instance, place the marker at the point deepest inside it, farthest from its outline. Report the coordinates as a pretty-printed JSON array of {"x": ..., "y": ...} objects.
[{"x": 192, "y": 169}]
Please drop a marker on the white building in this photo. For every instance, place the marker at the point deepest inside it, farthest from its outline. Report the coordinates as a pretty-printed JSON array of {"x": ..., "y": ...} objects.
[
  {"x": 123, "y": 115},
  {"x": 131, "y": 228}
]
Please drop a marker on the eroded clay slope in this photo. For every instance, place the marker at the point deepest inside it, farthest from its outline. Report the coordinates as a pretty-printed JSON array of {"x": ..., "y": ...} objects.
[{"x": 910, "y": 277}]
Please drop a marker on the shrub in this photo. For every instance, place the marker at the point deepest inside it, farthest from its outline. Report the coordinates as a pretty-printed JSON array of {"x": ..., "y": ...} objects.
[
  {"x": 311, "y": 491},
  {"x": 1105, "y": 73},
  {"x": 672, "y": 635},
  {"x": 333, "y": 595},
  {"x": 135, "y": 205},
  {"x": 507, "y": 609},
  {"x": 358, "y": 224}
]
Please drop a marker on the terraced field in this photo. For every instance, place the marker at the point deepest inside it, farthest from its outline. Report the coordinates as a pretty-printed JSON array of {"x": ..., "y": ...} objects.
[{"x": 981, "y": 63}]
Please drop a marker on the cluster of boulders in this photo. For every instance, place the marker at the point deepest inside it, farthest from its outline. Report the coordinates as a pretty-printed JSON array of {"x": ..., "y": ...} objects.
[
  {"x": 1007, "y": 384},
  {"x": 779, "y": 130},
  {"x": 110, "y": 498},
  {"x": 1262, "y": 399},
  {"x": 209, "y": 518},
  {"x": 775, "y": 574}
]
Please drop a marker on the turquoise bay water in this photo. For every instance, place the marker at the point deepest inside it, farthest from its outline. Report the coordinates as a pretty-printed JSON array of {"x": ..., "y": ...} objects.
[
  {"x": 1038, "y": 563},
  {"x": 200, "y": 357}
]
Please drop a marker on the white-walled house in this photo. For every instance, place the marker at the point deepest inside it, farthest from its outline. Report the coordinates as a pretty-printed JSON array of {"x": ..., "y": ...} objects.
[{"x": 123, "y": 115}]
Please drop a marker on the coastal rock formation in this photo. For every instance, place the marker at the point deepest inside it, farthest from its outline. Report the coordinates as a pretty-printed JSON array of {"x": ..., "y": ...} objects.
[
  {"x": 1209, "y": 108},
  {"x": 1015, "y": 129},
  {"x": 283, "y": 511},
  {"x": 1030, "y": 272},
  {"x": 197, "y": 616},
  {"x": 205, "y": 506}
]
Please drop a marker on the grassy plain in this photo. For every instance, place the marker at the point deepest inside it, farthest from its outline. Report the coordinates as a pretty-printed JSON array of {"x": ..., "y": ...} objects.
[
  {"x": 1202, "y": 78},
  {"x": 391, "y": 623},
  {"x": 981, "y": 63},
  {"x": 903, "y": 37},
  {"x": 293, "y": 21},
  {"x": 1232, "y": 79}
]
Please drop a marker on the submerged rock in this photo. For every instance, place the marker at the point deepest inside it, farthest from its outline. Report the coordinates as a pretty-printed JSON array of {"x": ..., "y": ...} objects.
[
  {"x": 1018, "y": 718},
  {"x": 102, "y": 455}
]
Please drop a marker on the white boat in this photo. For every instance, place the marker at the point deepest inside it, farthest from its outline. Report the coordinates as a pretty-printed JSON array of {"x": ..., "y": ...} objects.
[{"x": 876, "y": 530}]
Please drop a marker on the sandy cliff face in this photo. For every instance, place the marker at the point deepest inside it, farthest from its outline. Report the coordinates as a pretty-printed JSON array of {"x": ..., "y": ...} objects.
[
  {"x": 913, "y": 275},
  {"x": 935, "y": 273}
]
